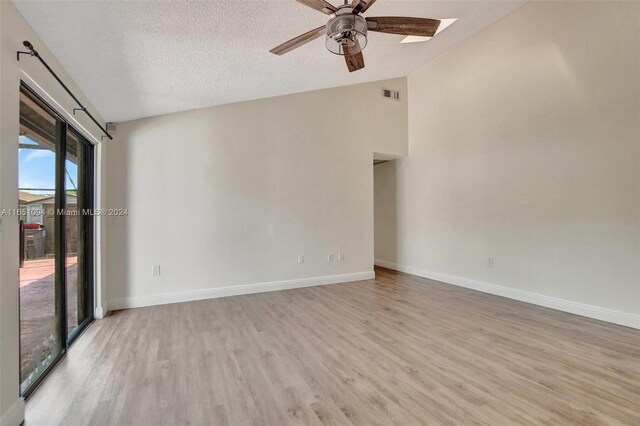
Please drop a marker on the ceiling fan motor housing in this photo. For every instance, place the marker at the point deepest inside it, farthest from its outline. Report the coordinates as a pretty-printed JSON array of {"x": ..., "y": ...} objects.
[{"x": 346, "y": 34}]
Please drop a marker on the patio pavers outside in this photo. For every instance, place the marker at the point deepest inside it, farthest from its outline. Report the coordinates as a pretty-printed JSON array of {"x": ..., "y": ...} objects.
[{"x": 38, "y": 320}]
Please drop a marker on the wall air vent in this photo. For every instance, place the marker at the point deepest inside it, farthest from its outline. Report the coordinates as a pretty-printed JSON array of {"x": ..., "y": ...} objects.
[
  {"x": 111, "y": 128},
  {"x": 391, "y": 94}
]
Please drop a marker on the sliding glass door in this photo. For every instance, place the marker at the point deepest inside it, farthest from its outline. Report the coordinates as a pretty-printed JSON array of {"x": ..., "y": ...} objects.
[
  {"x": 41, "y": 341},
  {"x": 78, "y": 190},
  {"x": 56, "y": 257}
]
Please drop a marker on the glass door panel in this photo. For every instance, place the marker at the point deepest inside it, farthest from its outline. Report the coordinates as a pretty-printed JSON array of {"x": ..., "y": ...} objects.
[
  {"x": 41, "y": 339},
  {"x": 76, "y": 227}
]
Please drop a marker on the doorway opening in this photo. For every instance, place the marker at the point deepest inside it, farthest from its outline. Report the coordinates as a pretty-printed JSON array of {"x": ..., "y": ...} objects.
[{"x": 385, "y": 212}]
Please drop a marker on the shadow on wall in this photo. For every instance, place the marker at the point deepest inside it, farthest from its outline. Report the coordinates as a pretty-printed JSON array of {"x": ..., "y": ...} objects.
[{"x": 385, "y": 211}]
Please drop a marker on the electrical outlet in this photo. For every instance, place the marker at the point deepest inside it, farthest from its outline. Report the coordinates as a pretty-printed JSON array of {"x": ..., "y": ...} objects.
[
  {"x": 340, "y": 256},
  {"x": 301, "y": 258},
  {"x": 490, "y": 262},
  {"x": 155, "y": 270},
  {"x": 330, "y": 257}
]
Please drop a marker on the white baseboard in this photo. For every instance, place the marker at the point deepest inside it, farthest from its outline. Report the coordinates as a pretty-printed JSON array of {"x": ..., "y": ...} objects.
[
  {"x": 603, "y": 314},
  {"x": 14, "y": 415},
  {"x": 211, "y": 293}
]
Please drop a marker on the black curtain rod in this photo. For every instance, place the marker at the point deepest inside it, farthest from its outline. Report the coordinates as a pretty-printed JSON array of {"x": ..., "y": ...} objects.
[{"x": 33, "y": 52}]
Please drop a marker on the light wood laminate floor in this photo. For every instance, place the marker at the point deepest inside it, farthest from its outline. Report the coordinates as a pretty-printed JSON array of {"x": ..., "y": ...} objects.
[{"x": 395, "y": 350}]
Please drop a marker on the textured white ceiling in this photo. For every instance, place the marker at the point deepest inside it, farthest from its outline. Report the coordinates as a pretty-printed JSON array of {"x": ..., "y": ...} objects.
[{"x": 135, "y": 59}]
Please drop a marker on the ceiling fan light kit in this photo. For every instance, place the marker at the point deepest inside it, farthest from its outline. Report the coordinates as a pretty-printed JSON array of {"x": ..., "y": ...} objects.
[{"x": 346, "y": 31}]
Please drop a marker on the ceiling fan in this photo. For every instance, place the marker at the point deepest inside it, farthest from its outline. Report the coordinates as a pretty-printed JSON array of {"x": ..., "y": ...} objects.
[{"x": 346, "y": 31}]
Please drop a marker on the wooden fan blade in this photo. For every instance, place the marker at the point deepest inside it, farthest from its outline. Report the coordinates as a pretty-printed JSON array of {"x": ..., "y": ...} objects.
[
  {"x": 305, "y": 38},
  {"x": 360, "y": 6},
  {"x": 355, "y": 61},
  {"x": 319, "y": 5},
  {"x": 405, "y": 26}
]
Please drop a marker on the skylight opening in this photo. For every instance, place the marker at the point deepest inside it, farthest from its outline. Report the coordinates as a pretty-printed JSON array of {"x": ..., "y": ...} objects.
[{"x": 444, "y": 23}]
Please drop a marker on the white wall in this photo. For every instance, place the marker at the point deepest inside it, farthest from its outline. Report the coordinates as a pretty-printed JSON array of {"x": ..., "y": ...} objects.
[
  {"x": 13, "y": 30},
  {"x": 229, "y": 196},
  {"x": 524, "y": 146}
]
